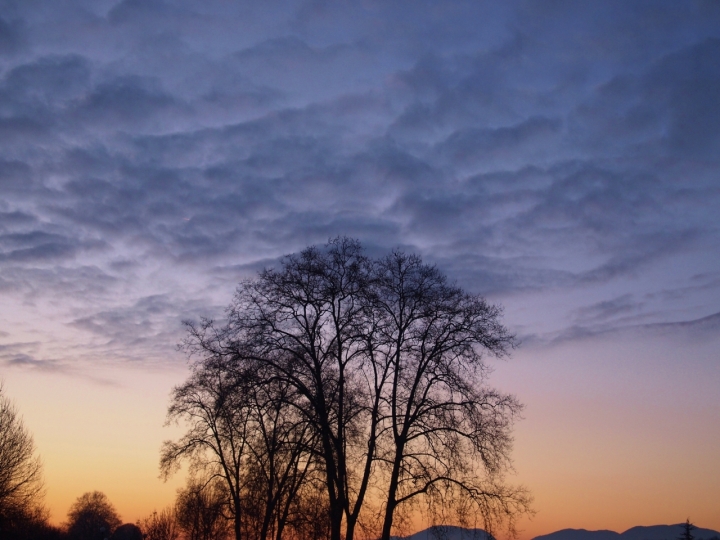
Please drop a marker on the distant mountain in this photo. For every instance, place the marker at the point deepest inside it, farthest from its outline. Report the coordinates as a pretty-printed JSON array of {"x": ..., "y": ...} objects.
[
  {"x": 654, "y": 532},
  {"x": 580, "y": 534},
  {"x": 447, "y": 532}
]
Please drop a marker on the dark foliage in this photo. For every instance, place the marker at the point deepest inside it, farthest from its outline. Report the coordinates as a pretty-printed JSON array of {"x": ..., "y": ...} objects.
[{"x": 92, "y": 517}]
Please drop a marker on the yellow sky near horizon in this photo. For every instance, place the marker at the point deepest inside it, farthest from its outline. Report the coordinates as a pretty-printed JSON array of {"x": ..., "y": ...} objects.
[
  {"x": 102, "y": 434},
  {"x": 609, "y": 446}
]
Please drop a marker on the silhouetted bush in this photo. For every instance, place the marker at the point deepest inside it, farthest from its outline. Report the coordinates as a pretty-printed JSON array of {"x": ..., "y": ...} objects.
[
  {"x": 127, "y": 532},
  {"x": 160, "y": 525},
  {"x": 92, "y": 517}
]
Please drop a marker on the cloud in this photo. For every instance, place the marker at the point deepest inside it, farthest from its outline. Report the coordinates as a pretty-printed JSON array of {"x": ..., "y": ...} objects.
[
  {"x": 126, "y": 101},
  {"x": 483, "y": 145},
  {"x": 521, "y": 147},
  {"x": 48, "y": 81},
  {"x": 703, "y": 325},
  {"x": 688, "y": 80},
  {"x": 12, "y": 357},
  {"x": 703, "y": 328},
  {"x": 57, "y": 282},
  {"x": 608, "y": 309},
  {"x": 12, "y": 36}
]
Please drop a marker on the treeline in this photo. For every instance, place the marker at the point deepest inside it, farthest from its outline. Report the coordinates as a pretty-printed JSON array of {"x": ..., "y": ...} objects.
[{"x": 342, "y": 394}]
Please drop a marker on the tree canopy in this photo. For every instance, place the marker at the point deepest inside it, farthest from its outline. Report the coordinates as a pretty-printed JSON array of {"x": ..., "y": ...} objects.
[
  {"x": 360, "y": 382},
  {"x": 92, "y": 517}
]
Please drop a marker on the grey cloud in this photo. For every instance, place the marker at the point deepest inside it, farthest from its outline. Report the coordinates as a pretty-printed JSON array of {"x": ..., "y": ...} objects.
[
  {"x": 608, "y": 309},
  {"x": 497, "y": 275},
  {"x": 639, "y": 252},
  {"x": 671, "y": 105},
  {"x": 12, "y": 356},
  {"x": 131, "y": 324},
  {"x": 519, "y": 146},
  {"x": 128, "y": 100},
  {"x": 25, "y": 239},
  {"x": 34, "y": 237},
  {"x": 25, "y": 360},
  {"x": 137, "y": 11},
  {"x": 691, "y": 80},
  {"x": 22, "y": 354},
  {"x": 704, "y": 283},
  {"x": 12, "y": 35},
  {"x": 704, "y": 325},
  {"x": 14, "y": 218},
  {"x": 485, "y": 146},
  {"x": 145, "y": 330},
  {"x": 319, "y": 73},
  {"x": 21, "y": 128},
  {"x": 82, "y": 281},
  {"x": 703, "y": 328},
  {"x": 47, "y": 81},
  {"x": 41, "y": 252},
  {"x": 455, "y": 93}
]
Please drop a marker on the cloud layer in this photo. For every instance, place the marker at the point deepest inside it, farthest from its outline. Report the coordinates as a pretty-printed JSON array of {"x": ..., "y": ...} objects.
[{"x": 153, "y": 153}]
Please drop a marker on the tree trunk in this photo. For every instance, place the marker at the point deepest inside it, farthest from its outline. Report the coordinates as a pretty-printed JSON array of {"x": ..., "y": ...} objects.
[{"x": 391, "y": 503}]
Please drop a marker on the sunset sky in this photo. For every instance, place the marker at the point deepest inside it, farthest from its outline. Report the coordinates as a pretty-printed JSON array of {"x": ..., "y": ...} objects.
[{"x": 560, "y": 158}]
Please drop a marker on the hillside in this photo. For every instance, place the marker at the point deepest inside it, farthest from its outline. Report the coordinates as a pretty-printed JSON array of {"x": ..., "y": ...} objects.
[{"x": 654, "y": 532}]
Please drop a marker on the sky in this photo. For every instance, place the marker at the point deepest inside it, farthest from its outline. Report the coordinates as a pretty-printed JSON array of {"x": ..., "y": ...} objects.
[{"x": 560, "y": 158}]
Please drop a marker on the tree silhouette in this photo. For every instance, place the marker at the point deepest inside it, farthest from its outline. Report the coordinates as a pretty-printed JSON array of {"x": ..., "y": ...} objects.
[
  {"x": 21, "y": 485},
  {"x": 199, "y": 510},
  {"x": 244, "y": 431},
  {"x": 92, "y": 517},
  {"x": 687, "y": 529},
  {"x": 447, "y": 433},
  {"x": 160, "y": 525},
  {"x": 128, "y": 531},
  {"x": 380, "y": 364},
  {"x": 303, "y": 324}
]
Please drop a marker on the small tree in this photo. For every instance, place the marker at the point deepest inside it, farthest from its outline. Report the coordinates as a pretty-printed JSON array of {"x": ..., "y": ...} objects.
[
  {"x": 21, "y": 485},
  {"x": 687, "y": 529},
  {"x": 200, "y": 510},
  {"x": 160, "y": 525},
  {"x": 92, "y": 517}
]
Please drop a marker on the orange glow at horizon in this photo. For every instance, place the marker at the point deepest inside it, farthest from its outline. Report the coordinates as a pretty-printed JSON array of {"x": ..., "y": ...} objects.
[
  {"x": 608, "y": 446},
  {"x": 104, "y": 436}
]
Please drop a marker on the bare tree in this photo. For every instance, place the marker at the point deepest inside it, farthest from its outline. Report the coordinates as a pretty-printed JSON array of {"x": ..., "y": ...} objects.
[
  {"x": 21, "y": 485},
  {"x": 245, "y": 429},
  {"x": 309, "y": 516},
  {"x": 282, "y": 455},
  {"x": 381, "y": 363},
  {"x": 305, "y": 322},
  {"x": 92, "y": 517},
  {"x": 211, "y": 403},
  {"x": 160, "y": 525},
  {"x": 199, "y": 510},
  {"x": 446, "y": 432}
]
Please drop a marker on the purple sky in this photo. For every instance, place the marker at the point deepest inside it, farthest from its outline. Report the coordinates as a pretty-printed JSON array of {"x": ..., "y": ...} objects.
[{"x": 562, "y": 158}]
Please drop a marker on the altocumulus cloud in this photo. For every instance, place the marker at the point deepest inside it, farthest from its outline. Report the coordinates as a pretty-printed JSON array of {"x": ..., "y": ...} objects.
[{"x": 153, "y": 153}]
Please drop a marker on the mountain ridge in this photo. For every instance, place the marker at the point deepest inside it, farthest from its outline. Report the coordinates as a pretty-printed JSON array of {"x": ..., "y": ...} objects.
[{"x": 640, "y": 532}]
